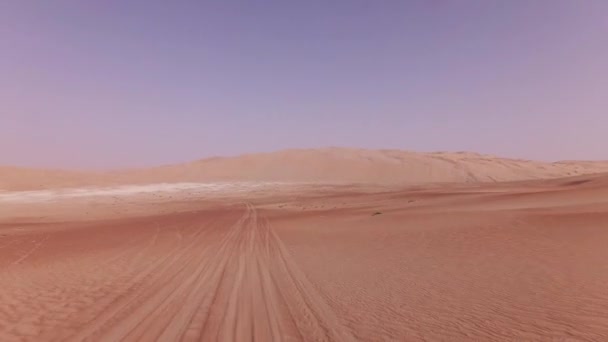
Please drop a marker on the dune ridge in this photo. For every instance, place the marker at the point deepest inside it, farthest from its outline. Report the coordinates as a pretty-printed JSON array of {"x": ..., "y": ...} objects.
[{"x": 326, "y": 165}]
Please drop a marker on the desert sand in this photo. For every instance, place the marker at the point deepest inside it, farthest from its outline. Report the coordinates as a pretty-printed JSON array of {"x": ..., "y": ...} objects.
[{"x": 296, "y": 261}]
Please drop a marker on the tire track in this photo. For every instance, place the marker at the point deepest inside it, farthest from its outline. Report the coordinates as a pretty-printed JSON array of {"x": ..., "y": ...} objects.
[
  {"x": 188, "y": 323},
  {"x": 237, "y": 285},
  {"x": 265, "y": 296},
  {"x": 162, "y": 319},
  {"x": 27, "y": 254},
  {"x": 139, "y": 288},
  {"x": 314, "y": 318}
]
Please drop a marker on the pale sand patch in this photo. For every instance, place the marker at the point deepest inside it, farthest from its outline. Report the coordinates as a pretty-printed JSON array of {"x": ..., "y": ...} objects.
[{"x": 191, "y": 189}]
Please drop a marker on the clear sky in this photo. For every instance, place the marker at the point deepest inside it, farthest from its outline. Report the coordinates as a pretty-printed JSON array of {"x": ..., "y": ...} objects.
[{"x": 105, "y": 84}]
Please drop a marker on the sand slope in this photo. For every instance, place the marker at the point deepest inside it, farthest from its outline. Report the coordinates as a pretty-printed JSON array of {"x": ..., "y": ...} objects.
[{"x": 328, "y": 165}]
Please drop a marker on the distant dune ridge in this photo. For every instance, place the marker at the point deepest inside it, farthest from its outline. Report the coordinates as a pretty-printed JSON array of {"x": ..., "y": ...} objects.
[{"x": 327, "y": 165}]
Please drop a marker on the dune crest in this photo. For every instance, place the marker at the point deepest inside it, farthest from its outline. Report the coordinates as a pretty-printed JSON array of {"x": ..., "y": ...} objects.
[{"x": 327, "y": 165}]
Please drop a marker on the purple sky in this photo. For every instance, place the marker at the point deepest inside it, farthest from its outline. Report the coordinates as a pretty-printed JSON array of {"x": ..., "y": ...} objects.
[{"x": 104, "y": 84}]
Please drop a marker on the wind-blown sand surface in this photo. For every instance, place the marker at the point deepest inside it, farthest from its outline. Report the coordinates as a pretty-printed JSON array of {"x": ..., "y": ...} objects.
[{"x": 521, "y": 261}]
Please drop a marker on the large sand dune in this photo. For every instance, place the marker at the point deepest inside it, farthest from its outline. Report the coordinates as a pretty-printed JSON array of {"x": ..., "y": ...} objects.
[
  {"x": 521, "y": 261},
  {"x": 330, "y": 165}
]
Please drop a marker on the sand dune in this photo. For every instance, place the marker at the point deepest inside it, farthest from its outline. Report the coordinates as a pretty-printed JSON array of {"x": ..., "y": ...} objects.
[
  {"x": 371, "y": 166},
  {"x": 20, "y": 178},
  {"x": 521, "y": 261},
  {"x": 330, "y": 165}
]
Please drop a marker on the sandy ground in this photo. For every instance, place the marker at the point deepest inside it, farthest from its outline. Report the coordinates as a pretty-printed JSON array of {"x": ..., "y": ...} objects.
[{"x": 518, "y": 262}]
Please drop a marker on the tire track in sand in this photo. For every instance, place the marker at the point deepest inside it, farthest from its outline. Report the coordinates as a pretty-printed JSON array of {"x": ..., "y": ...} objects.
[
  {"x": 139, "y": 288},
  {"x": 263, "y": 296},
  {"x": 240, "y": 285}
]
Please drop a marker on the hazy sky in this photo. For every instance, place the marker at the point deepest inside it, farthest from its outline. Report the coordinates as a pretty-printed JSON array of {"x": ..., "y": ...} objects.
[{"x": 103, "y": 84}]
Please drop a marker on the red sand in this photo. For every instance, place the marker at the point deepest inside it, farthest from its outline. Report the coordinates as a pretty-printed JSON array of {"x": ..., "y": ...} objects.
[{"x": 519, "y": 261}]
